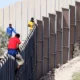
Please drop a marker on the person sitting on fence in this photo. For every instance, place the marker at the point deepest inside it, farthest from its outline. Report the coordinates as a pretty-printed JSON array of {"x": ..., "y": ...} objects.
[
  {"x": 31, "y": 24},
  {"x": 9, "y": 31},
  {"x": 13, "y": 49}
]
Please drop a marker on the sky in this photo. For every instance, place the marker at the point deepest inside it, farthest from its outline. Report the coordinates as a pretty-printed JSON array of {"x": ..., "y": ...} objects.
[{"x": 4, "y": 3}]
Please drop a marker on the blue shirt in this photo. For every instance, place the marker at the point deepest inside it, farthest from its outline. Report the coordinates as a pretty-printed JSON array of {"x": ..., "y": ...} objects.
[{"x": 10, "y": 30}]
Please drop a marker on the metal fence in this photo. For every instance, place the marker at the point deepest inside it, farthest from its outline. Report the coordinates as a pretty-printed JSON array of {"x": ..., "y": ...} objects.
[
  {"x": 56, "y": 36},
  {"x": 49, "y": 45},
  {"x": 7, "y": 68},
  {"x": 8, "y": 64}
]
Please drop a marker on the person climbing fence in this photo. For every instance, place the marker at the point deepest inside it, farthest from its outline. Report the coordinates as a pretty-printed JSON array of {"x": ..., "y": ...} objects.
[
  {"x": 13, "y": 50},
  {"x": 31, "y": 24}
]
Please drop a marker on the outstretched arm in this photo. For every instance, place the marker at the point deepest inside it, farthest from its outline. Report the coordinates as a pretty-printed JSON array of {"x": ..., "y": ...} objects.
[{"x": 14, "y": 31}]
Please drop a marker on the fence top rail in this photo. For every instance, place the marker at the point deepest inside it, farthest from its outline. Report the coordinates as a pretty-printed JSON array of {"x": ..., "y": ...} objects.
[
  {"x": 27, "y": 39},
  {"x": 4, "y": 60}
]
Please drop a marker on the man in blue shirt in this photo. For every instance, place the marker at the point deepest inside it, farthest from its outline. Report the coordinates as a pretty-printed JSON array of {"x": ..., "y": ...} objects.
[{"x": 9, "y": 31}]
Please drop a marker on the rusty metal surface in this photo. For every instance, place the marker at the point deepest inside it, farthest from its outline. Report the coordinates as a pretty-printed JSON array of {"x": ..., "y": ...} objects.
[
  {"x": 77, "y": 20},
  {"x": 39, "y": 49},
  {"x": 72, "y": 29},
  {"x": 52, "y": 40},
  {"x": 65, "y": 34},
  {"x": 46, "y": 44},
  {"x": 35, "y": 53},
  {"x": 59, "y": 39},
  {"x": 52, "y": 23}
]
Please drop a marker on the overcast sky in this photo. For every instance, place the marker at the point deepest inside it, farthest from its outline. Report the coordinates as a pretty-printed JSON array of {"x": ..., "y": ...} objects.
[{"x": 4, "y": 3}]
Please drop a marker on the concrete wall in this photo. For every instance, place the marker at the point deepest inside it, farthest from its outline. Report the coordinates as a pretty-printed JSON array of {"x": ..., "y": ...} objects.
[
  {"x": 1, "y": 18},
  {"x": 24, "y": 20},
  {"x": 38, "y": 9},
  {"x": 12, "y": 16},
  {"x": 20, "y": 13},
  {"x": 6, "y": 17},
  {"x": 18, "y": 19}
]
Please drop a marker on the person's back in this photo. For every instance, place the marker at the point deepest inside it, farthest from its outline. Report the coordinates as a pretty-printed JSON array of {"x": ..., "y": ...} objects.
[
  {"x": 13, "y": 42},
  {"x": 13, "y": 45}
]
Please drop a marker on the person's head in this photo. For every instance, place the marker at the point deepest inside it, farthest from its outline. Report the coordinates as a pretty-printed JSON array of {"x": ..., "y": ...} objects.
[
  {"x": 10, "y": 25},
  {"x": 17, "y": 35},
  {"x": 32, "y": 19}
]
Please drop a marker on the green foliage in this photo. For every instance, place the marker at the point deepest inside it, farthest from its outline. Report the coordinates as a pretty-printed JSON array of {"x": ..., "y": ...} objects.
[
  {"x": 3, "y": 41},
  {"x": 76, "y": 76}
]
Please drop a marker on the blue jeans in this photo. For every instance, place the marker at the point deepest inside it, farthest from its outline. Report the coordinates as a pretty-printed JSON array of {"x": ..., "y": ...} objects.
[{"x": 12, "y": 52}]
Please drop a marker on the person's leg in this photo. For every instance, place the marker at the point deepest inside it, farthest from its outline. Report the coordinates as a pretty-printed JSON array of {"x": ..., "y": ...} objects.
[
  {"x": 13, "y": 53},
  {"x": 19, "y": 61}
]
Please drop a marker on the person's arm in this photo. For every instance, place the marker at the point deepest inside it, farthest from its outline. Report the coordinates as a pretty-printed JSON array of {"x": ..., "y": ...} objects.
[
  {"x": 28, "y": 24},
  {"x": 18, "y": 48},
  {"x": 19, "y": 42},
  {"x": 14, "y": 30}
]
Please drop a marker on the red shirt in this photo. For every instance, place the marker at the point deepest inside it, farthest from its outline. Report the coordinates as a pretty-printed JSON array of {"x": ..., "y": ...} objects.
[{"x": 13, "y": 42}]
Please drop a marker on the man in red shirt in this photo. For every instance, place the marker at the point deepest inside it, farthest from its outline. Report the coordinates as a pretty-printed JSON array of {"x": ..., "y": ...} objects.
[
  {"x": 13, "y": 49},
  {"x": 13, "y": 45}
]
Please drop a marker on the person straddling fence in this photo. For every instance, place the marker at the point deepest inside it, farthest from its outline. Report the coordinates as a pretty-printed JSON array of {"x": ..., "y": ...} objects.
[
  {"x": 31, "y": 24},
  {"x": 9, "y": 31},
  {"x": 13, "y": 49}
]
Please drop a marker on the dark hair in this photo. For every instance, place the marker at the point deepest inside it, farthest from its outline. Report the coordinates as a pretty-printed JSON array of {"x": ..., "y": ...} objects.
[
  {"x": 32, "y": 19},
  {"x": 17, "y": 35},
  {"x": 10, "y": 25}
]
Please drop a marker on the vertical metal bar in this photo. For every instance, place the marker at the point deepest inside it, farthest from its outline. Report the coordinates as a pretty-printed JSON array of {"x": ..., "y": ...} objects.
[
  {"x": 72, "y": 30},
  {"x": 36, "y": 53},
  {"x": 59, "y": 38},
  {"x": 39, "y": 49},
  {"x": 75, "y": 24},
  {"x": 42, "y": 50},
  {"x": 77, "y": 21},
  {"x": 69, "y": 35},
  {"x": 55, "y": 51},
  {"x": 52, "y": 42},
  {"x": 49, "y": 46},
  {"x": 62, "y": 37},
  {"x": 55, "y": 42},
  {"x": 65, "y": 34},
  {"x": 46, "y": 45}
]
